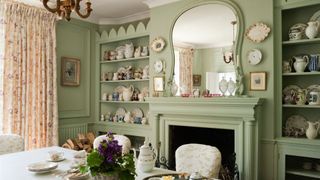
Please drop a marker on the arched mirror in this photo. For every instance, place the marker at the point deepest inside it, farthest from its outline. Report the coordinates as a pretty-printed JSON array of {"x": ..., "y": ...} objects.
[{"x": 206, "y": 48}]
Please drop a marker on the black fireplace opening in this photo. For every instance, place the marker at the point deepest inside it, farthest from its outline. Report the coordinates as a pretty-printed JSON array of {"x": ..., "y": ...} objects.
[{"x": 223, "y": 139}]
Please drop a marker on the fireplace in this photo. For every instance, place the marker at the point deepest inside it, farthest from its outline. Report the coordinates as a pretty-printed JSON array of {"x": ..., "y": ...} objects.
[
  {"x": 223, "y": 139},
  {"x": 233, "y": 118}
]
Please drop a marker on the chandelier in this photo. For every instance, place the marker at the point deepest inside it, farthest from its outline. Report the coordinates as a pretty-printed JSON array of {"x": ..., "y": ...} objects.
[
  {"x": 65, "y": 7},
  {"x": 229, "y": 55}
]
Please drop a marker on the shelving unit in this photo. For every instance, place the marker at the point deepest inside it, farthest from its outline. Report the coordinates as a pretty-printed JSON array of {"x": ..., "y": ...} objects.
[
  {"x": 294, "y": 151},
  {"x": 107, "y": 41}
]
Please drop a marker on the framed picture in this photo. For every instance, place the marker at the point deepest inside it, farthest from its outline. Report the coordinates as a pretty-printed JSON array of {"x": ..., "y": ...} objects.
[
  {"x": 70, "y": 71},
  {"x": 258, "y": 81},
  {"x": 158, "y": 84},
  {"x": 196, "y": 79}
]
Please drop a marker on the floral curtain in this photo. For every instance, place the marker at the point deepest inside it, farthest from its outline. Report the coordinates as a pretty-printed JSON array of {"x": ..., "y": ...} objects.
[
  {"x": 29, "y": 92},
  {"x": 186, "y": 56}
]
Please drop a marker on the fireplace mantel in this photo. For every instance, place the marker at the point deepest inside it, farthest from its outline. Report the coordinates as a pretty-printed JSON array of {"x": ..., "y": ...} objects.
[{"x": 236, "y": 113}]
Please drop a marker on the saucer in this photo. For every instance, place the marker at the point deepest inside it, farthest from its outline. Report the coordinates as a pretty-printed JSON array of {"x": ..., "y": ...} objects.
[
  {"x": 56, "y": 160},
  {"x": 42, "y": 167}
]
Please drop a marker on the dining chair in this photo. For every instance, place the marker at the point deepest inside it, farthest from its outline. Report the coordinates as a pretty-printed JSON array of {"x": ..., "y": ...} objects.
[
  {"x": 124, "y": 141},
  {"x": 10, "y": 143},
  {"x": 204, "y": 159}
]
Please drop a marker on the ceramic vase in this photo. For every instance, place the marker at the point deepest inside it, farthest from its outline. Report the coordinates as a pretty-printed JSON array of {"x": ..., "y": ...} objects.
[
  {"x": 223, "y": 86},
  {"x": 231, "y": 86},
  {"x": 174, "y": 88},
  {"x": 313, "y": 64},
  {"x": 312, "y": 30},
  {"x": 300, "y": 63},
  {"x": 312, "y": 130}
]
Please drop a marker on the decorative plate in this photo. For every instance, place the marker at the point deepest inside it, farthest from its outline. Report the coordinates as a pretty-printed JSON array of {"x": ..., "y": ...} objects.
[
  {"x": 120, "y": 112},
  {"x": 315, "y": 16},
  {"x": 42, "y": 167},
  {"x": 258, "y": 32},
  {"x": 297, "y": 31},
  {"x": 158, "y": 44},
  {"x": 158, "y": 66},
  {"x": 254, "y": 56},
  {"x": 296, "y": 123},
  {"x": 288, "y": 93},
  {"x": 137, "y": 112}
]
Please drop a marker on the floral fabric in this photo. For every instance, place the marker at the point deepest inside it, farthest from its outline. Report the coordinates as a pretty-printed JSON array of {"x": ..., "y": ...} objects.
[
  {"x": 186, "y": 60},
  {"x": 10, "y": 143},
  {"x": 204, "y": 159},
  {"x": 29, "y": 92}
]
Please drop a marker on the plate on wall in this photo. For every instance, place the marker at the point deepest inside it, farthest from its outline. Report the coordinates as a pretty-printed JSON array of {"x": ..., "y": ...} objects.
[{"x": 254, "y": 56}]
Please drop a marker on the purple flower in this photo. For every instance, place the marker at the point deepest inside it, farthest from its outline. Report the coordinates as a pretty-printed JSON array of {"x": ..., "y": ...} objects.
[{"x": 110, "y": 150}]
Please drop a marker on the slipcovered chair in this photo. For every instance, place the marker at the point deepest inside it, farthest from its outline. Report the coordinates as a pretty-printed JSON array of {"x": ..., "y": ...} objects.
[
  {"x": 204, "y": 159},
  {"x": 10, "y": 143},
  {"x": 124, "y": 141}
]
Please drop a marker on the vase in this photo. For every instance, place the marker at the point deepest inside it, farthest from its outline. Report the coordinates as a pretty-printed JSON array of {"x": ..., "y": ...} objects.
[
  {"x": 106, "y": 177},
  {"x": 223, "y": 86},
  {"x": 231, "y": 86},
  {"x": 312, "y": 29}
]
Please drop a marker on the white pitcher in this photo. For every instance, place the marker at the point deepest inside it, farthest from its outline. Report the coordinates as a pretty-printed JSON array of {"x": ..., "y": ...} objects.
[
  {"x": 312, "y": 30},
  {"x": 127, "y": 93},
  {"x": 312, "y": 130},
  {"x": 147, "y": 157},
  {"x": 300, "y": 63}
]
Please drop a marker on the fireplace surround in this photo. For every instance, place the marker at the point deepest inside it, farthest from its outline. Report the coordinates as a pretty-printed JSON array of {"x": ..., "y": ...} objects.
[{"x": 239, "y": 115}]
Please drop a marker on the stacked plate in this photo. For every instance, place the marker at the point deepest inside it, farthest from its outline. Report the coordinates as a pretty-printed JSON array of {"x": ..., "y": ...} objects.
[{"x": 42, "y": 167}]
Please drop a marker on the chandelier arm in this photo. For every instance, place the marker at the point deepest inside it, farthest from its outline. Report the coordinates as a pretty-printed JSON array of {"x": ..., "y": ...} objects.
[
  {"x": 77, "y": 9},
  {"x": 53, "y": 10}
]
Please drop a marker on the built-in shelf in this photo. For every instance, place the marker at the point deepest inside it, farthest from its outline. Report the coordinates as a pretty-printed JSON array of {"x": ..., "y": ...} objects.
[
  {"x": 300, "y": 141},
  {"x": 301, "y": 74},
  {"x": 125, "y": 102},
  {"x": 302, "y": 41},
  {"x": 305, "y": 173},
  {"x": 125, "y": 125},
  {"x": 300, "y": 106},
  {"x": 131, "y": 80},
  {"x": 125, "y": 60}
]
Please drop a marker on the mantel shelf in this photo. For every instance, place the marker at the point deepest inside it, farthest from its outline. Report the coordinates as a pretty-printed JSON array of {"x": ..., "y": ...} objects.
[
  {"x": 302, "y": 41},
  {"x": 131, "y": 80},
  {"x": 301, "y": 74},
  {"x": 300, "y": 141},
  {"x": 125, "y": 60},
  {"x": 303, "y": 172},
  {"x": 125, "y": 102},
  {"x": 300, "y": 106},
  {"x": 125, "y": 125}
]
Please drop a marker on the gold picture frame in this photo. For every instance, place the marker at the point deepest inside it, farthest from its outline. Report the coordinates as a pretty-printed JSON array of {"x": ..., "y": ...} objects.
[
  {"x": 258, "y": 81},
  {"x": 158, "y": 83},
  {"x": 196, "y": 79},
  {"x": 70, "y": 71}
]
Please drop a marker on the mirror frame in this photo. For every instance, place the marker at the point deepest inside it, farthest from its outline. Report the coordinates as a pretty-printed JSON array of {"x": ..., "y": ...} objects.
[{"x": 238, "y": 42}]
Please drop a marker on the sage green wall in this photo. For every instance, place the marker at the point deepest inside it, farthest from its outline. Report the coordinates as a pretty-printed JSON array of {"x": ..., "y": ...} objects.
[
  {"x": 77, "y": 39},
  {"x": 162, "y": 18}
]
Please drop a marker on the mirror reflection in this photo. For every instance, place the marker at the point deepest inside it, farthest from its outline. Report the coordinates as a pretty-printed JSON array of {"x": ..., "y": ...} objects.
[{"x": 204, "y": 39}]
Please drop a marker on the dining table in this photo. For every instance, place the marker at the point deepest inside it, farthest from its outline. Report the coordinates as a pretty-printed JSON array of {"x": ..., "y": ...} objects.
[{"x": 14, "y": 166}]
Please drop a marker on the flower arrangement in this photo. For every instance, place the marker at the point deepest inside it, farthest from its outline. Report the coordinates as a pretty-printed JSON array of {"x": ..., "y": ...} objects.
[{"x": 108, "y": 160}]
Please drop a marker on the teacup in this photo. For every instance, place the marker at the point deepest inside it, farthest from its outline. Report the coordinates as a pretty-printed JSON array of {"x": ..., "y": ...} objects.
[{"x": 55, "y": 155}]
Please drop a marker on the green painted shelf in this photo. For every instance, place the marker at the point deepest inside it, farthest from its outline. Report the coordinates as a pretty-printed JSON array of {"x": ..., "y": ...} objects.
[
  {"x": 301, "y": 74},
  {"x": 302, "y": 41},
  {"x": 131, "y": 80},
  {"x": 125, "y": 102},
  {"x": 125, "y": 60},
  {"x": 300, "y": 141},
  {"x": 300, "y": 106},
  {"x": 125, "y": 125},
  {"x": 305, "y": 173}
]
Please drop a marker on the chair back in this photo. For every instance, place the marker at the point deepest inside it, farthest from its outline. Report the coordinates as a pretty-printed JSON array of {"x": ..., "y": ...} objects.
[
  {"x": 191, "y": 158},
  {"x": 10, "y": 143},
  {"x": 124, "y": 141}
]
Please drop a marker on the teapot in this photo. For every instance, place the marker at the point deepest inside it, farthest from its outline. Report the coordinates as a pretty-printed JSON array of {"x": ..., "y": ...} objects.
[
  {"x": 127, "y": 93},
  {"x": 301, "y": 97},
  {"x": 312, "y": 130},
  {"x": 147, "y": 157},
  {"x": 312, "y": 29},
  {"x": 300, "y": 63}
]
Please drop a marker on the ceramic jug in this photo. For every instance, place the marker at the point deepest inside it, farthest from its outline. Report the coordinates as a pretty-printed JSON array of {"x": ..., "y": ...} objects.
[
  {"x": 145, "y": 72},
  {"x": 145, "y": 51},
  {"x": 286, "y": 66},
  {"x": 314, "y": 98},
  {"x": 127, "y": 93},
  {"x": 147, "y": 157},
  {"x": 312, "y": 130},
  {"x": 120, "y": 54},
  {"x": 128, "y": 51},
  {"x": 301, "y": 97},
  {"x": 115, "y": 76},
  {"x": 313, "y": 64},
  {"x": 196, "y": 92},
  {"x": 300, "y": 63},
  {"x": 312, "y": 29},
  {"x": 137, "y": 52}
]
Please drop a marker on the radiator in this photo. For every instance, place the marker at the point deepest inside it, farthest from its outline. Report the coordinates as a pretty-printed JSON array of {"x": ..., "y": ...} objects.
[{"x": 71, "y": 131}]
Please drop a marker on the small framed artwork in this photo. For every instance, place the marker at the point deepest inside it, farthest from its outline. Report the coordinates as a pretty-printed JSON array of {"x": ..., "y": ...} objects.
[
  {"x": 196, "y": 79},
  {"x": 158, "y": 83},
  {"x": 258, "y": 81},
  {"x": 70, "y": 71}
]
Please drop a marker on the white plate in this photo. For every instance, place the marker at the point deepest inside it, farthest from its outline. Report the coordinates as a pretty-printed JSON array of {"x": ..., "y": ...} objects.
[
  {"x": 78, "y": 176},
  {"x": 137, "y": 112},
  {"x": 315, "y": 16},
  {"x": 42, "y": 167},
  {"x": 254, "y": 56},
  {"x": 121, "y": 111},
  {"x": 297, "y": 121},
  {"x": 56, "y": 160}
]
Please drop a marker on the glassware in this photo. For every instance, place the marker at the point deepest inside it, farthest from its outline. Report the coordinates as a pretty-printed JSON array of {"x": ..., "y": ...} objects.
[{"x": 223, "y": 86}]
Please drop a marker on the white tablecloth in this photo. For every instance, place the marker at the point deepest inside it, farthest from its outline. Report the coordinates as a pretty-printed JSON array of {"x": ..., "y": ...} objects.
[{"x": 13, "y": 166}]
